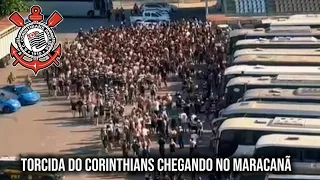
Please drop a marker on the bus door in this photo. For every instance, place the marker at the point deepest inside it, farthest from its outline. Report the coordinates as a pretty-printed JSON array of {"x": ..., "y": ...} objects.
[{"x": 99, "y": 7}]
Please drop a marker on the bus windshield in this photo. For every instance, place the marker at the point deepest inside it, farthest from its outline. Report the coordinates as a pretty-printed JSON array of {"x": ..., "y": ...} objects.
[
  {"x": 296, "y": 154},
  {"x": 10, "y": 165},
  {"x": 230, "y": 139}
]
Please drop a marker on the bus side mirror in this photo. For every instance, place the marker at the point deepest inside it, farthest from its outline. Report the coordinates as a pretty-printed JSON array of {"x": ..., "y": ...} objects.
[{"x": 220, "y": 112}]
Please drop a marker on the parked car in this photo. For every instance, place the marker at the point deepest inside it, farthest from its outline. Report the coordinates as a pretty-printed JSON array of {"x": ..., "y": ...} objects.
[
  {"x": 224, "y": 27},
  {"x": 24, "y": 94},
  {"x": 150, "y": 22},
  {"x": 9, "y": 105},
  {"x": 157, "y": 11},
  {"x": 158, "y": 6},
  {"x": 154, "y": 15}
]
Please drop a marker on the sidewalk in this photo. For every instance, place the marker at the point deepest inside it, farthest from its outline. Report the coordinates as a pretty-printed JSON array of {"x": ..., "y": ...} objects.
[{"x": 179, "y": 4}]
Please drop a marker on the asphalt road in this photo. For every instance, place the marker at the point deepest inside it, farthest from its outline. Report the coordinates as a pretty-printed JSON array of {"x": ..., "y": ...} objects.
[{"x": 72, "y": 25}]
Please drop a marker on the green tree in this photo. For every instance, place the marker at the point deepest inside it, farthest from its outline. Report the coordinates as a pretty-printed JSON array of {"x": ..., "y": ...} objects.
[{"x": 9, "y": 6}]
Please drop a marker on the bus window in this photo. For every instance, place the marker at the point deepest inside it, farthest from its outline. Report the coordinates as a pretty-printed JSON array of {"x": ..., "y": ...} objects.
[
  {"x": 294, "y": 154},
  {"x": 310, "y": 155},
  {"x": 247, "y": 138},
  {"x": 267, "y": 152},
  {"x": 227, "y": 143}
]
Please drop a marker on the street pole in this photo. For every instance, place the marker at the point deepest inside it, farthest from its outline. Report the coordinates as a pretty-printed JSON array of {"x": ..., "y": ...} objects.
[{"x": 207, "y": 9}]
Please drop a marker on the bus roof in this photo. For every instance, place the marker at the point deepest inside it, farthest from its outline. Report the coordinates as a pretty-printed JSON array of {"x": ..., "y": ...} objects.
[
  {"x": 277, "y": 124},
  {"x": 274, "y": 59},
  {"x": 9, "y": 158},
  {"x": 280, "y": 40},
  {"x": 299, "y": 19},
  {"x": 289, "y": 140},
  {"x": 287, "y": 80},
  {"x": 260, "y": 51},
  {"x": 271, "y": 70},
  {"x": 277, "y": 93},
  {"x": 293, "y": 177},
  {"x": 276, "y": 31},
  {"x": 273, "y": 108}
]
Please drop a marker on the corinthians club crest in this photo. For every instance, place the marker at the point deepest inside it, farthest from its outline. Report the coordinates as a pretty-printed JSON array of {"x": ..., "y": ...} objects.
[{"x": 36, "y": 41}]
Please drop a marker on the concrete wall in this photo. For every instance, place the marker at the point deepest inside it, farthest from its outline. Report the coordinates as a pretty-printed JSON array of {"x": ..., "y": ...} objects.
[{"x": 5, "y": 42}]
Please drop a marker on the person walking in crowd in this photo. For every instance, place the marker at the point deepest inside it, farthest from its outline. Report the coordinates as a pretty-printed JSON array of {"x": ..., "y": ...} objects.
[
  {"x": 108, "y": 14},
  {"x": 122, "y": 15},
  {"x": 117, "y": 14},
  {"x": 161, "y": 143},
  {"x": 180, "y": 138},
  {"x": 11, "y": 78},
  {"x": 28, "y": 81},
  {"x": 172, "y": 147},
  {"x": 193, "y": 145}
]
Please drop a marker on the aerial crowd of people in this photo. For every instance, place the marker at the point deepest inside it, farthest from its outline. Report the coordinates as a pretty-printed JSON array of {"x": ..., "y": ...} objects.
[{"x": 106, "y": 71}]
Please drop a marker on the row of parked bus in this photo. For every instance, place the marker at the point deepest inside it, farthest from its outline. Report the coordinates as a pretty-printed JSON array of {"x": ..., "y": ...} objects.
[{"x": 272, "y": 90}]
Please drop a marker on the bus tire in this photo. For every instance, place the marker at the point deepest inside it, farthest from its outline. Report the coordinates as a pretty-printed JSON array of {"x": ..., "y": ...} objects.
[
  {"x": 6, "y": 109},
  {"x": 90, "y": 13}
]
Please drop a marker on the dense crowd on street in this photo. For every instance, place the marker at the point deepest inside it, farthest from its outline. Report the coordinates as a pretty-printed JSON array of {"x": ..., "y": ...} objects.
[{"x": 106, "y": 69}]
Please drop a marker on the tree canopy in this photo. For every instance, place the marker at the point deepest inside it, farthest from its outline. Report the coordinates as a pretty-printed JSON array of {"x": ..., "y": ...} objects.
[{"x": 9, "y": 6}]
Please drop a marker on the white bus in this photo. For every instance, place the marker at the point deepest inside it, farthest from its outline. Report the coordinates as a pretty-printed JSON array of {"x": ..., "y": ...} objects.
[
  {"x": 237, "y": 137},
  {"x": 308, "y": 95},
  {"x": 282, "y": 31},
  {"x": 291, "y": 177},
  {"x": 261, "y": 70},
  {"x": 281, "y": 52},
  {"x": 74, "y": 8},
  {"x": 304, "y": 150},
  {"x": 237, "y": 86},
  {"x": 269, "y": 109},
  {"x": 312, "y": 20},
  {"x": 279, "y": 42},
  {"x": 274, "y": 60},
  {"x": 264, "y": 176}
]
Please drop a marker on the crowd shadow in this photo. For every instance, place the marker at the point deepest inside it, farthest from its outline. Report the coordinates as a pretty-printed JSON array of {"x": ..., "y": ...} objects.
[
  {"x": 93, "y": 138},
  {"x": 60, "y": 111},
  {"x": 86, "y": 131},
  {"x": 83, "y": 143},
  {"x": 60, "y": 103},
  {"x": 65, "y": 122},
  {"x": 68, "y": 124},
  {"x": 87, "y": 150}
]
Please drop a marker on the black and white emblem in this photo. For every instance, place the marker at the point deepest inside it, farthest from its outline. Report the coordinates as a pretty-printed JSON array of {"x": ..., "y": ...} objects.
[{"x": 36, "y": 40}]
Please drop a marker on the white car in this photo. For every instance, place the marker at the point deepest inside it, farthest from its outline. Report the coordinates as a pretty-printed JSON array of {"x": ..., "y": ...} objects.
[
  {"x": 149, "y": 15},
  {"x": 224, "y": 27},
  {"x": 157, "y": 6},
  {"x": 157, "y": 11},
  {"x": 151, "y": 22}
]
